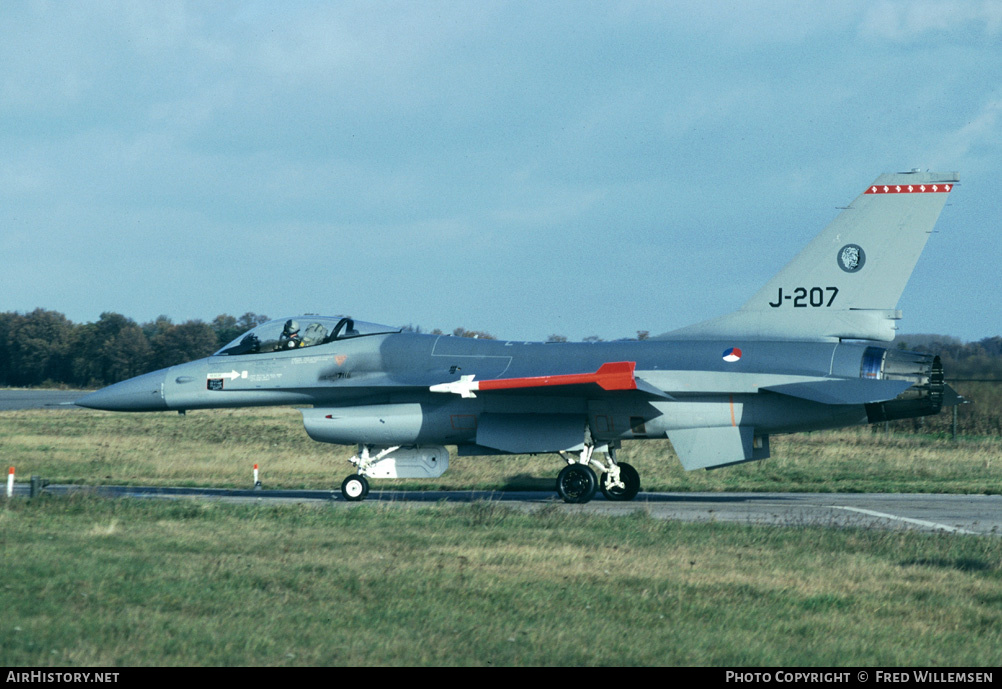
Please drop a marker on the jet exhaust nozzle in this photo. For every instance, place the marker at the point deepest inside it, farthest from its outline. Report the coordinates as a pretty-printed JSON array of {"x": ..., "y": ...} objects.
[{"x": 923, "y": 371}]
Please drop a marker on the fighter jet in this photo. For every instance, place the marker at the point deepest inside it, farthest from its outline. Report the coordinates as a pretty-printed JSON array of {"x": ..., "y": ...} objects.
[{"x": 808, "y": 351}]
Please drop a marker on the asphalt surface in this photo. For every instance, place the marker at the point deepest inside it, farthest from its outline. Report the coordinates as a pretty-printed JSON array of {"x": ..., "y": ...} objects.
[
  {"x": 960, "y": 514},
  {"x": 12, "y": 400}
]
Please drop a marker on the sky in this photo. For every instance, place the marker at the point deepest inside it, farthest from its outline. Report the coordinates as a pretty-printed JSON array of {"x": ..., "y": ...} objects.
[{"x": 521, "y": 168}]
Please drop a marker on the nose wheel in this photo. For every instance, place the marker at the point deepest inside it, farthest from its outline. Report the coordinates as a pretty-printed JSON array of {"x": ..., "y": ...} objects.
[{"x": 355, "y": 488}]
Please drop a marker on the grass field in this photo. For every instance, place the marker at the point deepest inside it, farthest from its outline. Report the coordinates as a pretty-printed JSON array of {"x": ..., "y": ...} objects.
[
  {"x": 220, "y": 447},
  {"x": 126, "y": 582},
  {"x": 106, "y": 583}
]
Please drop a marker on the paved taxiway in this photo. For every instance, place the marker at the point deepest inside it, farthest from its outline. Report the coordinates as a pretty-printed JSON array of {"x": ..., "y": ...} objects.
[
  {"x": 11, "y": 400},
  {"x": 979, "y": 514},
  {"x": 961, "y": 514}
]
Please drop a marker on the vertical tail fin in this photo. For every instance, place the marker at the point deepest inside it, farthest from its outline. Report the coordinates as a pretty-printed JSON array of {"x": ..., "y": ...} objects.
[{"x": 847, "y": 282}]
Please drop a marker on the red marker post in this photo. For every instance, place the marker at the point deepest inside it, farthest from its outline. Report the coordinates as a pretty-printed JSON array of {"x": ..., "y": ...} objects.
[
  {"x": 257, "y": 484},
  {"x": 10, "y": 483}
]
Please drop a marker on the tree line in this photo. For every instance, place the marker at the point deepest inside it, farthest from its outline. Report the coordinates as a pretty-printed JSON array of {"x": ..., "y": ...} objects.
[
  {"x": 981, "y": 360},
  {"x": 45, "y": 348}
]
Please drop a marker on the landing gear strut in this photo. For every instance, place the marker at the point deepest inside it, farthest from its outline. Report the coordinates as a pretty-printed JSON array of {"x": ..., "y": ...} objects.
[
  {"x": 356, "y": 486},
  {"x": 625, "y": 487}
]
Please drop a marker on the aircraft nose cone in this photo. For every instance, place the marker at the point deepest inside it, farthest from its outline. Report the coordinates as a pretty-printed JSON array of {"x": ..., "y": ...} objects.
[{"x": 142, "y": 393}]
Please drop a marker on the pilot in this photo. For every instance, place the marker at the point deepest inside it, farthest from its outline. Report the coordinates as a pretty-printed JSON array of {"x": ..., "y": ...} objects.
[{"x": 290, "y": 338}]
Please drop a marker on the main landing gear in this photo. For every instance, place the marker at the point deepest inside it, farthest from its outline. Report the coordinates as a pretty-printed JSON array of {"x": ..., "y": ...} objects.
[{"x": 578, "y": 482}]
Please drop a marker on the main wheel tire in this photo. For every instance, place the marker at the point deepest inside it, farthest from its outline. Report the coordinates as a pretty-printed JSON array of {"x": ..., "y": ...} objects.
[
  {"x": 631, "y": 480},
  {"x": 577, "y": 483},
  {"x": 354, "y": 488}
]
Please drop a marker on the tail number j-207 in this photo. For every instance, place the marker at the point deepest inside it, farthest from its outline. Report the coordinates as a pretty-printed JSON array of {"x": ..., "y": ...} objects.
[{"x": 802, "y": 297}]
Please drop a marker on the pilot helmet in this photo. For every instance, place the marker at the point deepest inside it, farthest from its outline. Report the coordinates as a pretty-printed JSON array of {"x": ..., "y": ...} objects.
[{"x": 291, "y": 328}]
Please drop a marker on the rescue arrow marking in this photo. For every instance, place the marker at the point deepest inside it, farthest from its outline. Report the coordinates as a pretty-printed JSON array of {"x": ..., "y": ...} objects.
[{"x": 232, "y": 375}]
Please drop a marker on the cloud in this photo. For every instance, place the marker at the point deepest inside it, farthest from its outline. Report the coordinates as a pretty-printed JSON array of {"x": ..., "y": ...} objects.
[
  {"x": 912, "y": 20},
  {"x": 983, "y": 131}
]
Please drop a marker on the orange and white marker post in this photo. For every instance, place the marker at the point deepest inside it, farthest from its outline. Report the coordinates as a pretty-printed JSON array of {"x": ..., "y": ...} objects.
[
  {"x": 257, "y": 484},
  {"x": 10, "y": 483}
]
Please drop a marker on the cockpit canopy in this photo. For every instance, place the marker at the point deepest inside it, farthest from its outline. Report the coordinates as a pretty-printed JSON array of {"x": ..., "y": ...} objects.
[{"x": 301, "y": 331}]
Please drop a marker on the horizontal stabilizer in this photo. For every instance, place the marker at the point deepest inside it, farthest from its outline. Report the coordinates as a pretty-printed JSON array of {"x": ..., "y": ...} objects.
[
  {"x": 705, "y": 448},
  {"x": 844, "y": 391}
]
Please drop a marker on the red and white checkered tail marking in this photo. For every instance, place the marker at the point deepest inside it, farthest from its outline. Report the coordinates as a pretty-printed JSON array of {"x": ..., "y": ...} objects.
[{"x": 940, "y": 188}]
